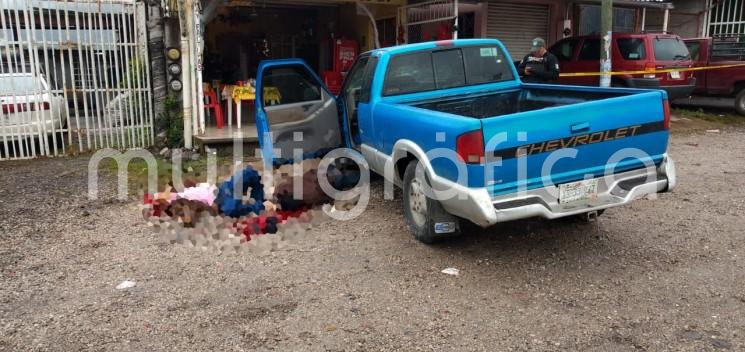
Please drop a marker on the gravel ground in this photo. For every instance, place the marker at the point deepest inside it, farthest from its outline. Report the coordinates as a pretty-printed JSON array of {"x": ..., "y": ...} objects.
[{"x": 658, "y": 275}]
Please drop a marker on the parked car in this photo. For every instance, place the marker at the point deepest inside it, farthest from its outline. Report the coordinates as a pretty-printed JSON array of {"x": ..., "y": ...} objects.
[
  {"x": 629, "y": 52},
  {"x": 725, "y": 83},
  {"x": 121, "y": 110},
  {"x": 28, "y": 107},
  {"x": 407, "y": 108}
]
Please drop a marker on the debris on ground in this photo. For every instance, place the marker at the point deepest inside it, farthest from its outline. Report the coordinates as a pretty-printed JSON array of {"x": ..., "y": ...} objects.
[
  {"x": 126, "y": 284},
  {"x": 713, "y": 131},
  {"x": 451, "y": 271}
]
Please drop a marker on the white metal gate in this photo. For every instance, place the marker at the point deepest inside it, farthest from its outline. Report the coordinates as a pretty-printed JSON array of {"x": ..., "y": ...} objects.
[
  {"x": 413, "y": 17},
  {"x": 725, "y": 18},
  {"x": 74, "y": 77}
]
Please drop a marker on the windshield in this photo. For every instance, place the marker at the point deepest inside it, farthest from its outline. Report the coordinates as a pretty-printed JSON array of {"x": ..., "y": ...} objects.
[
  {"x": 446, "y": 68},
  {"x": 17, "y": 85},
  {"x": 670, "y": 49}
]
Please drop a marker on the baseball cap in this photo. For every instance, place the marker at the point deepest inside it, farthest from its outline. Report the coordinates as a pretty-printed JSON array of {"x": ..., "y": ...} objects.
[{"x": 538, "y": 43}]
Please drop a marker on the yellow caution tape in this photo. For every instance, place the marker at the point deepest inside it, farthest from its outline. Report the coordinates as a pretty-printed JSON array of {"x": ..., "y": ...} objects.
[{"x": 638, "y": 72}]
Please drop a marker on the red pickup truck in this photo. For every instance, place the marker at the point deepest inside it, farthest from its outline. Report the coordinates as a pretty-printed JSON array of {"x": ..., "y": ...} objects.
[
  {"x": 630, "y": 52},
  {"x": 725, "y": 85}
]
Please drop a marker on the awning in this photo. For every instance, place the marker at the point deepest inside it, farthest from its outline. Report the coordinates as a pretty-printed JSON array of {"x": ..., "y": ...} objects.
[
  {"x": 657, "y": 4},
  {"x": 261, "y": 3}
]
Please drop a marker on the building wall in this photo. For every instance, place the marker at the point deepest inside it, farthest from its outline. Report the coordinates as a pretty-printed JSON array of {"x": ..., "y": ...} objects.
[
  {"x": 558, "y": 12},
  {"x": 686, "y": 19},
  {"x": 359, "y": 24}
]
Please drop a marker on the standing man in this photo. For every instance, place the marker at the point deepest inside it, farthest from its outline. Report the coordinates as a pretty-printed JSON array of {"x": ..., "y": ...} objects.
[{"x": 540, "y": 66}]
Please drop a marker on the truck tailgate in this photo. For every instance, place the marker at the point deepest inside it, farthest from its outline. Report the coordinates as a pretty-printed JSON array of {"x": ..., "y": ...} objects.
[{"x": 562, "y": 144}]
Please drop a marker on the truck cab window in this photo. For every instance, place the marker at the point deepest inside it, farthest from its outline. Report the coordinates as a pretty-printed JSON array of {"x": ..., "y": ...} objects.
[
  {"x": 486, "y": 65},
  {"x": 355, "y": 80},
  {"x": 694, "y": 49},
  {"x": 409, "y": 73},
  {"x": 356, "y": 90},
  {"x": 449, "y": 68}
]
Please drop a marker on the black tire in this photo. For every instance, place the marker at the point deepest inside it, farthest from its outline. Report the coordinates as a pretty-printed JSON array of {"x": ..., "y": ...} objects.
[
  {"x": 740, "y": 102},
  {"x": 426, "y": 218}
]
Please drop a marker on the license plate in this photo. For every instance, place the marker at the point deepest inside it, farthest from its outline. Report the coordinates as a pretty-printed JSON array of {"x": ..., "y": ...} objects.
[
  {"x": 576, "y": 191},
  {"x": 675, "y": 75}
]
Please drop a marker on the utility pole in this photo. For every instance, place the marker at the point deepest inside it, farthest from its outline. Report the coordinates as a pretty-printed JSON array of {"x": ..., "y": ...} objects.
[{"x": 606, "y": 35}]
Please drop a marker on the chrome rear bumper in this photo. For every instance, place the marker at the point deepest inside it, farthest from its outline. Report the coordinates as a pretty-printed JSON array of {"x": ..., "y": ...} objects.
[{"x": 614, "y": 190}]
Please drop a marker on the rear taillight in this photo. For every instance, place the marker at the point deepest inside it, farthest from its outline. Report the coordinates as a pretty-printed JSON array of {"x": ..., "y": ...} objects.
[
  {"x": 650, "y": 67},
  {"x": 21, "y": 107},
  {"x": 470, "y": 147},
  {"x": 666, "y": 111},
  {"x": 8, "y": 108}
]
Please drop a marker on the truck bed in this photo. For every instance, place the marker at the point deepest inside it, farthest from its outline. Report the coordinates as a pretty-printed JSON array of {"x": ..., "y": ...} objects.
[
  {"x": 514, "y": 101},
  {"x": 592, "y": 124}
]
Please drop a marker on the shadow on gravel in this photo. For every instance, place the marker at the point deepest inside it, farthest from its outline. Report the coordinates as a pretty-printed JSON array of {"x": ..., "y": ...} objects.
[{"x": 536, "y": 241}]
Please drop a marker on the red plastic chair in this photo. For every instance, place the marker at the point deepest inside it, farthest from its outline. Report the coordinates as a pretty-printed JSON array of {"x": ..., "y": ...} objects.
[
  {"x": 333, "y": 81},
  {"x": 211, "y": 102}
]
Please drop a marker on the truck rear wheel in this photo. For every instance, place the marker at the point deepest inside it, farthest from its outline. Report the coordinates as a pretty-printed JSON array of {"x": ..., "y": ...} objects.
[
  {"x": 740, "y": 102},
  {"x": 426, "y": 218}
]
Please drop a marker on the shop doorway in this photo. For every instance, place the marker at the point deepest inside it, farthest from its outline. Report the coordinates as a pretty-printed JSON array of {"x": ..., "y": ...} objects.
[{"x": 238, "y": 38}]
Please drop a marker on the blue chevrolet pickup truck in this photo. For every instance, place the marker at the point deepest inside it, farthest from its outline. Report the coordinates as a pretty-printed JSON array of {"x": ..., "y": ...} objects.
[{"x": 451, "y": 123}]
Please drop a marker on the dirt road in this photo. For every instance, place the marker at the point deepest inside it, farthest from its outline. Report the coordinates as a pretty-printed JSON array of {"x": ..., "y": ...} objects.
[{"x": 658, "y": 275}]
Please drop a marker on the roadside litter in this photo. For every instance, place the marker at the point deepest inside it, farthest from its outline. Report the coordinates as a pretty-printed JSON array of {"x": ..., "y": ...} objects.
[
  {"x": 451, "y": 271},
  {"x": 126, "y": 284}
]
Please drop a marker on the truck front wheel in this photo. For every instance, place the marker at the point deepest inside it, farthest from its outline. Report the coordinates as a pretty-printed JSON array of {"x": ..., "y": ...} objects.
[
  {"x": 740, "y": 102},
  {"x": 425, "y": 216}
]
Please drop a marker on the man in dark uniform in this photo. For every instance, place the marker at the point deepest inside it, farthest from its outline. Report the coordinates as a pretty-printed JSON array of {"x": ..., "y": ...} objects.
[{"x": 540, "y": 66}]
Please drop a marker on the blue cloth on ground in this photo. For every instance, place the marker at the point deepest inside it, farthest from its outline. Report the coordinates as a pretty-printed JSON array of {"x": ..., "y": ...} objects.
[{"x": 231, "y": 204}]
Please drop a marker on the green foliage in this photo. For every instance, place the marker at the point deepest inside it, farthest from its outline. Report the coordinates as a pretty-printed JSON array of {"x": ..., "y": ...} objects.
[
  {"x": 137, "y": 172},
  {"x": 134, "y": 75},
  {"x": 726, "y": 117},
  {"x": 172, "y": 116}
]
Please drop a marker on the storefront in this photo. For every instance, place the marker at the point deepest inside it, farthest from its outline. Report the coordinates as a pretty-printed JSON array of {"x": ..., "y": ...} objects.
[
  {"x": 517, "y": 23},
  {"x": 230, "y": 38}
]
